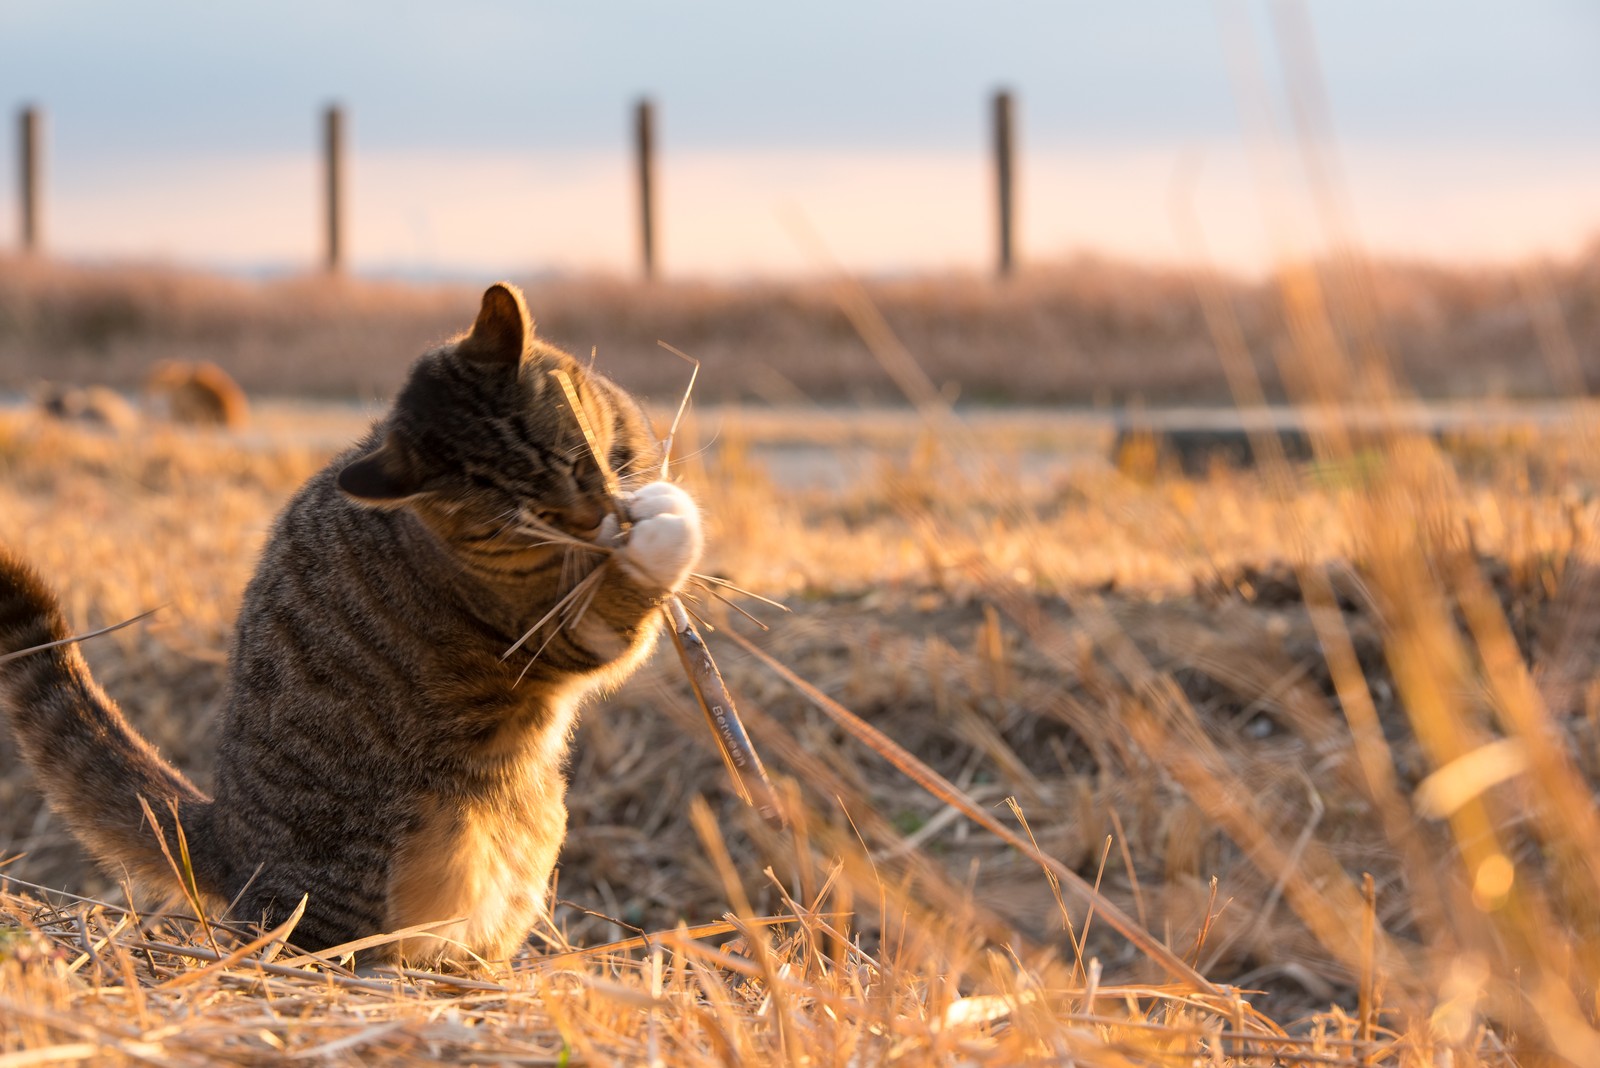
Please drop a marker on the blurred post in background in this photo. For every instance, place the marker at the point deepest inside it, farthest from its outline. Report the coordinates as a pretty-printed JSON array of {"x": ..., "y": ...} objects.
[
  {"x": 644, "y": 129},
  {"x": 333, "y": 158},
  {"x": 1004, "y": 174},
  {"x": 30, "y": 123}
]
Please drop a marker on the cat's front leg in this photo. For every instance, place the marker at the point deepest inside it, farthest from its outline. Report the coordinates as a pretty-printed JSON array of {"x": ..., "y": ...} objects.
[
  {"x": 651, "y": 559},
  {"x": 665, "y": 540}
]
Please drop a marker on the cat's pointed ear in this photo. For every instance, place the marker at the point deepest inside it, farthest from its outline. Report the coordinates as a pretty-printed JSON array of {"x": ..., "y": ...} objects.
[
  {"x": 503, "y": 330},
  {"x": 386, "y": 476}
]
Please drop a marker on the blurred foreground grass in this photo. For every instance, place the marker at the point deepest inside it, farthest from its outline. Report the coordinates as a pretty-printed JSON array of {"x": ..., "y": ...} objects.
[{"x": 1223, "y": 700}]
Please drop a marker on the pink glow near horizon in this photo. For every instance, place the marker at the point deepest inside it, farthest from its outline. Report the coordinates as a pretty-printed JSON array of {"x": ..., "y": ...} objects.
[{"x": 734, "y": 213}]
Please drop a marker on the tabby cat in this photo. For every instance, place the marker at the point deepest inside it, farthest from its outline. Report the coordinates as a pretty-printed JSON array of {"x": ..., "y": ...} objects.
[{"x": 378, "y": 751}]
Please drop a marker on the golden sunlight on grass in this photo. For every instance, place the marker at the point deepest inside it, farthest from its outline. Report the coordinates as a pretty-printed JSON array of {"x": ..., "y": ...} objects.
[{"x": 1319, "y": 731}]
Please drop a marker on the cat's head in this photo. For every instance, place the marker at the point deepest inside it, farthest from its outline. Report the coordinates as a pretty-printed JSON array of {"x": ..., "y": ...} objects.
[{"x": 483, "y": 431}]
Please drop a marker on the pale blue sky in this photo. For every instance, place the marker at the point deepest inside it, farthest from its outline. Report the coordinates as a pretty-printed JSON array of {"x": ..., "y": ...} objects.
[
  {"x": 198, "y": 80},
  {"x": 834, "y": 73}
]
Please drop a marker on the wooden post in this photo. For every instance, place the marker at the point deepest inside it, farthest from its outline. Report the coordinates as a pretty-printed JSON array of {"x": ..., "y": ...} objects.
[
  {"x": 1004, "y": 178},
  {"x": 29, "y": 124},
  {"x": 644, "y": 124},
  {"x": 333, "y": 159}
]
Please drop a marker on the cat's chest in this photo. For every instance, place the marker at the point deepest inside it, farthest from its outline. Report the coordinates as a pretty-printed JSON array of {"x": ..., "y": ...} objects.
[{"x": 483, "y": 862}]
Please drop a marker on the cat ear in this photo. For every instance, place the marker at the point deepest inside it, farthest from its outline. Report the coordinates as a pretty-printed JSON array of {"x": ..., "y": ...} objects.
[
  {"x": 503, "y": 329},
  {"x": 384, "y": 476}
]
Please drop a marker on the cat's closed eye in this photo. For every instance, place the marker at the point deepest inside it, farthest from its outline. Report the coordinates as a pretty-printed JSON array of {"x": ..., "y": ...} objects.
[{"x": 622, "y": 459}]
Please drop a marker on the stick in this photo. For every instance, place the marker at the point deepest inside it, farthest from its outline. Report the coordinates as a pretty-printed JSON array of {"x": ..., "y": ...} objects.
[{"x": 744, "y": 767}]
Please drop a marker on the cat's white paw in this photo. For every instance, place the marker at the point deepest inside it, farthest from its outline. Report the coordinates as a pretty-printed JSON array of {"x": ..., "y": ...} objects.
[{"x": 665, "y": 541}]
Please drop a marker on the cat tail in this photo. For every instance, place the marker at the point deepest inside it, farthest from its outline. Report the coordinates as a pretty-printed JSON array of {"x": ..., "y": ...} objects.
[{"x": 88, "y": 761}]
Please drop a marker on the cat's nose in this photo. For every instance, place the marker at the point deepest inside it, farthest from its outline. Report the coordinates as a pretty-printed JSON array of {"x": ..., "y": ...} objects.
[{"x": 582, "y": 517}]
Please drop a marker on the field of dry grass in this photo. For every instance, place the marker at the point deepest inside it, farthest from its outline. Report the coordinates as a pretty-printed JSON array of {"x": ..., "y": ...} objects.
[
  {"x": 1292, "y": 765},
  {"x": 1082, "y": 332},
  {"x": 1224, "y": 702}
]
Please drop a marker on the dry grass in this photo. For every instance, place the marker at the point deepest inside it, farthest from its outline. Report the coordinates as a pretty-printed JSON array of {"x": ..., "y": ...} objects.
[
  {"x": 1085, "y": 331},
  {"x": 1330, "y": 734},
  {"x": 1217, "y": 700}
]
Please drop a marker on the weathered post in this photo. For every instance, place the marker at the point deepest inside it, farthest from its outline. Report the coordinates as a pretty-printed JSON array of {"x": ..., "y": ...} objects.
[
  {"x": 644, "y": 124},
  {"x": 1004, "y": 176},
  {"x": 333, "y": 160},
  {"x": 29, "y": 152}
]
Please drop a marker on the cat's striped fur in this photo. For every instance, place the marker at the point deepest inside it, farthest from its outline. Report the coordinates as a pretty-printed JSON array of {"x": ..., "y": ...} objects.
[{"x": 376, "y": 753}]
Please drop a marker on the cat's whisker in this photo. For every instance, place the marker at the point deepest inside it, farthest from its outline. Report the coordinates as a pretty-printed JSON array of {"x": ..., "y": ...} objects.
[
  {"x": 582, "y": 610},
  {"x": 534, "y": 659},
  {"x": 510, "y": 513},
  {"x": 554, "y": 611},
  {"x": 740, "y": 590},
  {"x": 510, "y": 517},
  {"x": 581, "y": 571},
  {"x": 735, "y": 607},
  {"x": 601, "y": 549},
  {"x": 586, "y": 589},
  {"x": 535, "y": 526},
  {"x": 679, "y": 461},
  {"x": 576, "y": 545},
  {"x": 552, "y": 536},
  {"x": 588, "y": 584},
  {"x": 704, "y": 623},
  {"x": 639, "y": 465}
]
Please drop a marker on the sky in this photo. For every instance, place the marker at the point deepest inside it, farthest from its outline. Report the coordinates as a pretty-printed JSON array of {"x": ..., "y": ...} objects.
[{"x": 493, "y": 135}]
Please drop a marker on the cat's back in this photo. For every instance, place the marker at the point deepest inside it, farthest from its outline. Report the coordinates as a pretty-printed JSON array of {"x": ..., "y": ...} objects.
[{"x": 348, "y": 610}]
